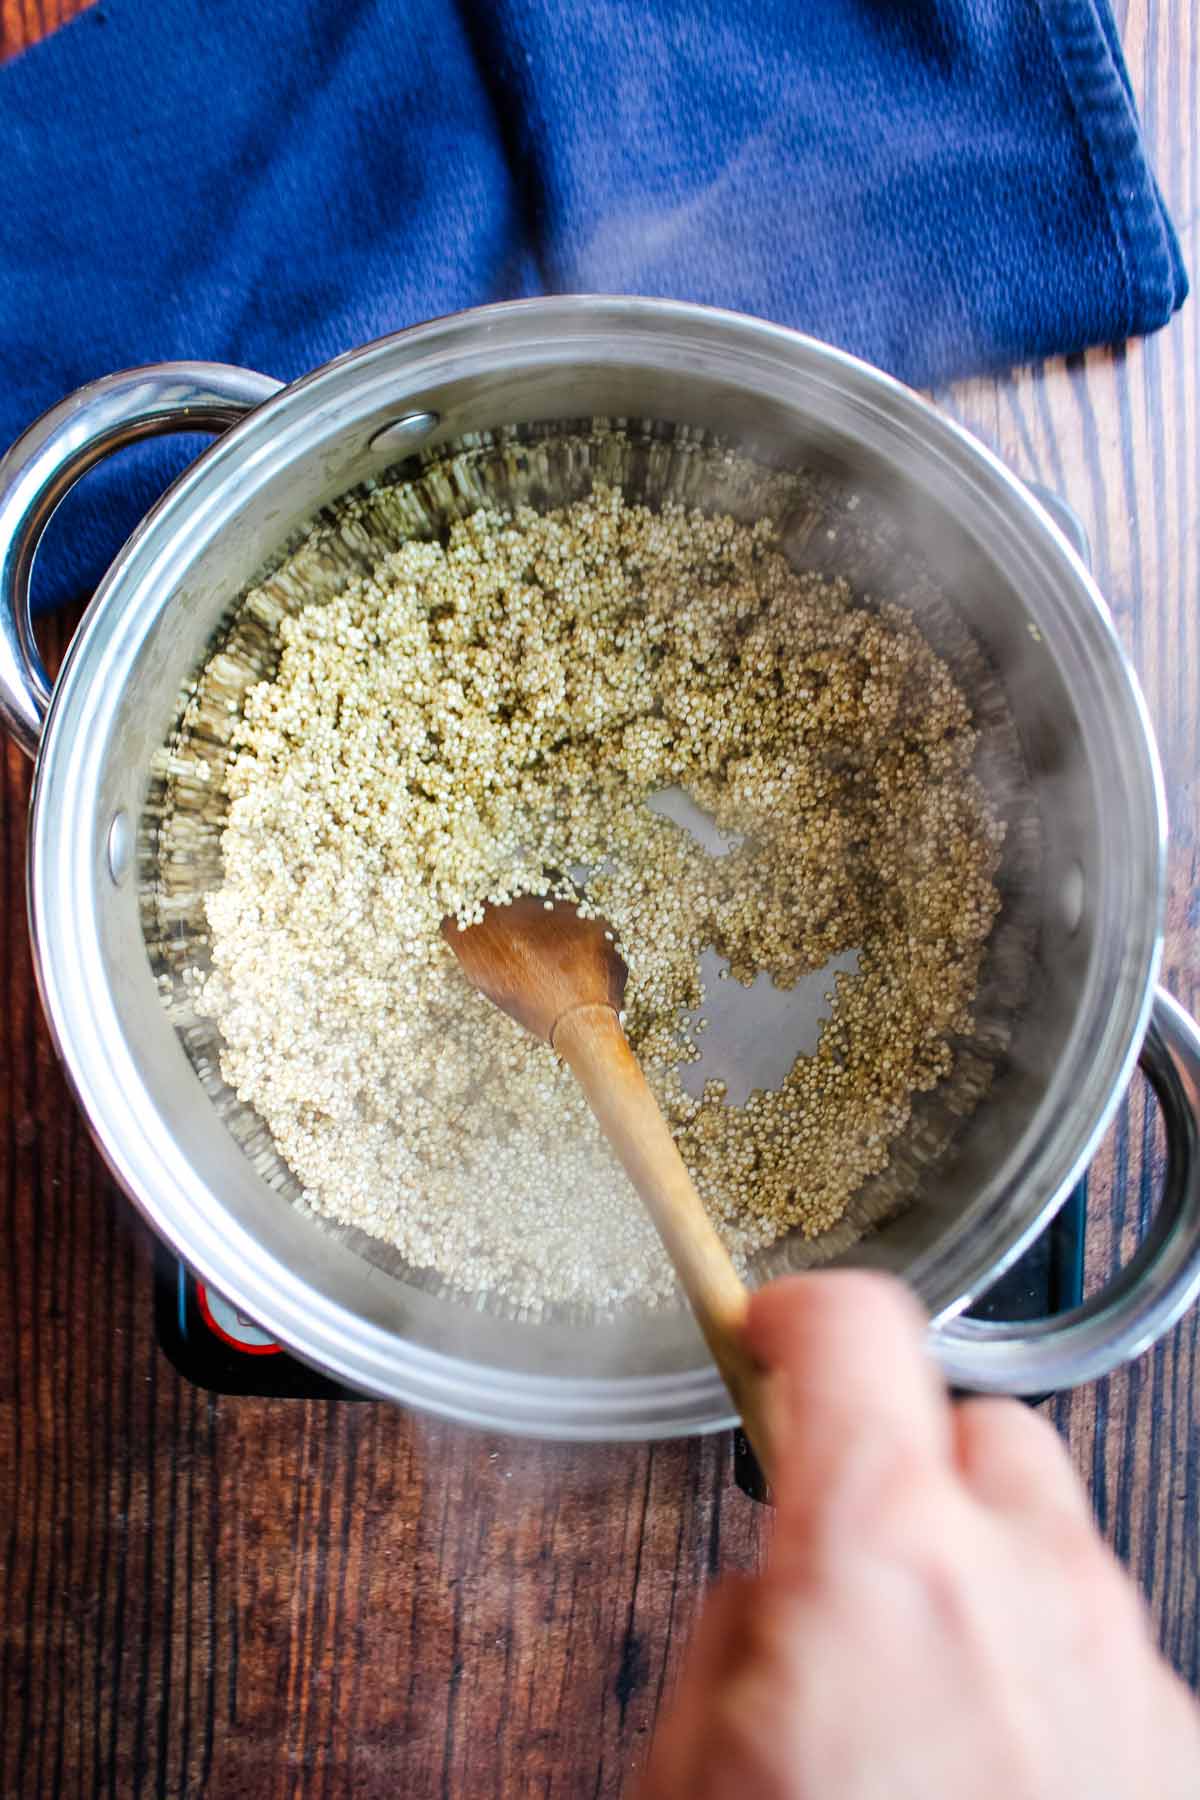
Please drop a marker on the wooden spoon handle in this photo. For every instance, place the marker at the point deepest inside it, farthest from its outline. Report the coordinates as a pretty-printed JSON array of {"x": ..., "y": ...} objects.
[{"x": 592, "y": 1044}]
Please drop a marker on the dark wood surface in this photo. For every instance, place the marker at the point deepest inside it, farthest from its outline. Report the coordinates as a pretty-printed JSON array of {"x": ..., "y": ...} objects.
[{"x": 276, "y": 1598}]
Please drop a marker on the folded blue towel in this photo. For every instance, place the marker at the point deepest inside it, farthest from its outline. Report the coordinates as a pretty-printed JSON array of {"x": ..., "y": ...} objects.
[{"x": 943, "y": 186}]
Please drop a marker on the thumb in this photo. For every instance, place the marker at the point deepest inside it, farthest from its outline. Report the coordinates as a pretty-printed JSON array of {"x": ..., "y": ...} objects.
[{"x": 854, "y": 1389}]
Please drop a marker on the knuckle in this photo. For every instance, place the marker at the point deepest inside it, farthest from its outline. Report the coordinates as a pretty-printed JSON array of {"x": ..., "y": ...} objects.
[
  {"x": 990, "y": 1427},
  {"x": 1101, "y": 1590},
  {"x": 1104, "y": 1601},
  {"x": 1076, "y": 1551},
  {"x": 894, "y": 1507},
  {"x": 903, "y": 1502}
]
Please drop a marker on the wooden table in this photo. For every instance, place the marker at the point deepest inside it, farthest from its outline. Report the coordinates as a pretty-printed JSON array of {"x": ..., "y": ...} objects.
[{"x": 269, "y": 1598}]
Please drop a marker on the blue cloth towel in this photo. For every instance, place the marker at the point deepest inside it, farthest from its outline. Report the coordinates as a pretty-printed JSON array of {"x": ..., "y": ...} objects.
[{"x": 943, "y": 186}]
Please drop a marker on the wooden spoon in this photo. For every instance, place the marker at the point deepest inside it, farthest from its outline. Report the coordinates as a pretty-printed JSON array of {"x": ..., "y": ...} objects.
[{"x": 562, "y": 978}]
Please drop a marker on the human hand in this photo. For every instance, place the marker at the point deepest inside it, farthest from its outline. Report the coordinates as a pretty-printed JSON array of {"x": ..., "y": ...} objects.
[{"x": 938, "y": 1616}]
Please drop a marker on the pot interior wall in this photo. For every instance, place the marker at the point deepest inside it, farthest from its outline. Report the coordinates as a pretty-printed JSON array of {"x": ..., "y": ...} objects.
[
  {"x": 856, "y": 492},
  {"x": 832, "y": 521}
]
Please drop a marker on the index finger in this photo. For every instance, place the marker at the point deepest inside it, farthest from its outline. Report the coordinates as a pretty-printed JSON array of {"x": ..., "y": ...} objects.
[{"x": 855, "y": 1392}]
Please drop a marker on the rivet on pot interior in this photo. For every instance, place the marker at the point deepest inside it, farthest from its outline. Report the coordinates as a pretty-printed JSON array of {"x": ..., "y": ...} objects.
[
  {"x": 403, "y": 434},
  {"x": 120, "y": 847},
  {"x": 1070, "y": 898}
]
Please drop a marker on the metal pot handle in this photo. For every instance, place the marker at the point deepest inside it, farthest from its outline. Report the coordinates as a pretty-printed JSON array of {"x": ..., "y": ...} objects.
[
  {"x": 47, "y": 461},
  {"x": 1148, "y": 1296}
]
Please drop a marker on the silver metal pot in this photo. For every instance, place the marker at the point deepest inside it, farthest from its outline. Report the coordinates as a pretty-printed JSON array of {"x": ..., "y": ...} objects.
[{"x": 1028, "y": 603}]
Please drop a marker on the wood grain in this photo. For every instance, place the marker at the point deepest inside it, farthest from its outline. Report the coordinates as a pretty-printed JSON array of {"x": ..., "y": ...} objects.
[
  {"x": 1118, "y": 436},
  {"x": 25, "y": 22},
  {"x": 277, "y": 1598}
]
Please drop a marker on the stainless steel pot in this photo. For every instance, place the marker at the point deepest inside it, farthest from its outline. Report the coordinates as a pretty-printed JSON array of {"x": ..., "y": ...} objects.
[{"x": 1028, "y": 603}]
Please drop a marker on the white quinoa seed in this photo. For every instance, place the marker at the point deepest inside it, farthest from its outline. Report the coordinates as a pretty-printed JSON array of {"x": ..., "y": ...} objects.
[{"x": 473, "y": 715}]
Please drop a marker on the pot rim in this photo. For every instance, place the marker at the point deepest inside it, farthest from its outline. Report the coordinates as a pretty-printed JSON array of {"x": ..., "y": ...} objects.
[{"x": 137, "y": 1144}]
